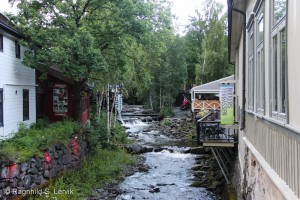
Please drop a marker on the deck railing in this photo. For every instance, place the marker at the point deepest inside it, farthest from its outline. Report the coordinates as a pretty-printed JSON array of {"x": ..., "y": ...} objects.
[
  {"x": 206, "y": 104},
  {"x": 210, "y": 132}
]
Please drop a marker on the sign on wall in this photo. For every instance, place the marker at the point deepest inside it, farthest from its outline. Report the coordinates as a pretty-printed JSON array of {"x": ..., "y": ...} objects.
[
  {"x": 60, "y": 99},
  {"x": 226, "y": 107}
]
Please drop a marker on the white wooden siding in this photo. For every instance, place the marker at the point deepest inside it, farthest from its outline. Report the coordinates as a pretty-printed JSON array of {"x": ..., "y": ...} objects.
[
  {"x": 14, "y": 77},
  {"x": 279, "y": 147}
]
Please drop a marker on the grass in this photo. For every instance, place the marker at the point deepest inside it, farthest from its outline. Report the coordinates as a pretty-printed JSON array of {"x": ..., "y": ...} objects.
[
  {"x": 104, "y": 163},
  {"x": 101, "y": 167},
  {"x": 32, "y": 141}
]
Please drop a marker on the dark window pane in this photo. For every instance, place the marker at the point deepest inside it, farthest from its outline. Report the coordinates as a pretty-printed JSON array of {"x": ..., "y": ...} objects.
[
  {"x": 18, "y": 50},
  {"x": 25, "y": 105},
  {"x": 1, "y": 42},
  {"x": 283, "y": 70},
  {"x": 1, "y": 107},
  {"x": 275, "y": 60}
]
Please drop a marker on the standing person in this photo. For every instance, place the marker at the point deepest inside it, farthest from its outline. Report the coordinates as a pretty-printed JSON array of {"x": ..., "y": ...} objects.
[{"x": 184, "y": 103}]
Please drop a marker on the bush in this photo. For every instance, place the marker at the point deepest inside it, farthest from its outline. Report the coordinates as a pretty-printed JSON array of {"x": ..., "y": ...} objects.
[
  {"x": 166, "y": 122},
  {"x": 97, "y": 134},
  {"x": 167, "y": 111},
  {"x": 118, "y": 134}
]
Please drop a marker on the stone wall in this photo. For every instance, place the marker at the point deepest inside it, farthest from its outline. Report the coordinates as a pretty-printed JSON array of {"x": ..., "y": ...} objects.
[
  {"x": 17, "y": 177},
  {"x": 253, "y": 182}
]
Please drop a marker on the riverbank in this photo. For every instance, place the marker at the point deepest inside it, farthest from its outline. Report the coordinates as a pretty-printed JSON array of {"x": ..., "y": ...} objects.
[{"x": 160, "y": 160}]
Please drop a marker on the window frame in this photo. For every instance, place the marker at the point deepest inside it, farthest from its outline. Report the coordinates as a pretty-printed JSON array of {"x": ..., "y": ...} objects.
[
  {"x": 276, "y": 85},
  {"x": 1, "y": 43},
  {"x": 1, "y": 108},
  {"x": 25, "y": 104},
  {"x": 259, "y": 59},
  {"x": 251, "y": 63},
  {"x": 17, "y": 49}
]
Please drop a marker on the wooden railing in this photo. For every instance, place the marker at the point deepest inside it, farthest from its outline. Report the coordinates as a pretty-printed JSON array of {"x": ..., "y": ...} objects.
[
  {"x": 211, "y": 133},
  {"x": 206, "y": 104}
]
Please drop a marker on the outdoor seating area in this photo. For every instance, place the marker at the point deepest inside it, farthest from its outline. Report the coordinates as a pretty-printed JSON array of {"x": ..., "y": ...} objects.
[
  {"x": 211, "y": 133},
  {"x": 206, "y": 96}
]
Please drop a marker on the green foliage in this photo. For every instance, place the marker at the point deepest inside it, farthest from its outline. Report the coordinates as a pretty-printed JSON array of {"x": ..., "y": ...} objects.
[
  {"x": 202, "y": 113},
  {"x": 98, "y": 136},
  {"x": 118, "y": 134},
  {"x": 30, "y": 142},
  {"x": 166, "y": 122},
  {"x": 167, "y": 111},
  {"x": 101, "y": 167},
  {"x": 206, "y": 42}
]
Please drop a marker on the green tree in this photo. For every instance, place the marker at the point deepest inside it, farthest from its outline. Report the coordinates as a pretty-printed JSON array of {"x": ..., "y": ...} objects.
[
  {"x": 206, "y": 41},
  {"x": 84, "y": 39}
]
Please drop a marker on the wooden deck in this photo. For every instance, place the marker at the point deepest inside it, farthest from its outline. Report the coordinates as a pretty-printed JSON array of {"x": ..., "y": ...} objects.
[{"x": 213, "y": 134}]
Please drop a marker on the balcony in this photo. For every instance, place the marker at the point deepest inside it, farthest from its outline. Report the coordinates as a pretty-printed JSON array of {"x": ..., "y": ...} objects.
[{"x": 211, "y": 133}]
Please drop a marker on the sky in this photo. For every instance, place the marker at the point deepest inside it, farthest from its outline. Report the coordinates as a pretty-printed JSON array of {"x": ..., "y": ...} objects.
[
  {"x": 5, "y": 6},
  {"x": 183, "y": 9}
]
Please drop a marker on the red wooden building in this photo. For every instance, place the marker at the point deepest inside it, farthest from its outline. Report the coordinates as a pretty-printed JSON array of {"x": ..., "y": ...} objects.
[{"x": 55, "y": 97}]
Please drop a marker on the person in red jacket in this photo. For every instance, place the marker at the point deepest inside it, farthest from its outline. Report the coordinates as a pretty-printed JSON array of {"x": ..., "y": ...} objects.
[{"x": 184, "y": 104}]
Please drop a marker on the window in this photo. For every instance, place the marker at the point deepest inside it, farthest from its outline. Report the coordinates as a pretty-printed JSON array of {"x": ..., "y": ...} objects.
[
  {"x": 18, "y": 50},
  {"x": 278, "y": 64},
  {"x": 1, "y": 107},
  {"x": 1, "y": 42},
  {"x": 250, "y": 64},
  {"x": 25, "y": 105},
  {"x": 260, "y": 72},
  {"x": 279, "y": 11}
]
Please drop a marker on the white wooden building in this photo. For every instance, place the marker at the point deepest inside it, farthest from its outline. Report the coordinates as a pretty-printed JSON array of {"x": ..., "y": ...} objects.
[
  {"x": 200, "y": 94},
  {"x": 17, "y": 83},
  {"x": 264, "y": 47}
]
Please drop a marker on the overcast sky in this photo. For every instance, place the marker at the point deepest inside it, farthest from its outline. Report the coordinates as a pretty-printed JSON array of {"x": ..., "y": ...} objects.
[{"x": 183, "y": 9}]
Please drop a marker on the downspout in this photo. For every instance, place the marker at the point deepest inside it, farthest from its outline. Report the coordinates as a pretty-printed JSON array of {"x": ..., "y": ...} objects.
[{"x": 243, "y": 121}]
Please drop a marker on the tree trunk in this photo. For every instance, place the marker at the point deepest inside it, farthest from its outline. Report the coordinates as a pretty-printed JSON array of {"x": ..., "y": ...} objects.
[
  {"x": 112, "y": 108},
  {"x": 160, "y": 100},
  {"x": 107, "y": 110},
  {"x": 151, "y": 101},
  {"x": 100, "y": 102}
]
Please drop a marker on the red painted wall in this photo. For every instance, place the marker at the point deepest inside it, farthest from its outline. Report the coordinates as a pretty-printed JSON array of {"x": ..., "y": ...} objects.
[{"x": 45, "y": 93}]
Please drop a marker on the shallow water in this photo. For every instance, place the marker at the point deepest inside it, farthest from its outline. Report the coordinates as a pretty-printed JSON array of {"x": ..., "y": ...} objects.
[{"x": 170, "y": 174}]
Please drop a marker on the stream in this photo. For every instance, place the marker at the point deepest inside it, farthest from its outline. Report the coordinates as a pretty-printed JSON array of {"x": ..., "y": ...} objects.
[{"x": 170, "y": 175}]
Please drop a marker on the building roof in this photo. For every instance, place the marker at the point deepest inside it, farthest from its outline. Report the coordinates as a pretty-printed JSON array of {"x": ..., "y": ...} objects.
[
  {"x": 235, "y": 24},
  {"x": 211, "y": 87},
  {"x": 5, "y": 25}
]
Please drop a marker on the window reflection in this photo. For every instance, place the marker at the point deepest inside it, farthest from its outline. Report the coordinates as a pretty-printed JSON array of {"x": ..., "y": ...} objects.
[
  {"x": 260, "y": 28},
  {"x": 283, "y": 69},
  {"x": 279, "y": 10}
]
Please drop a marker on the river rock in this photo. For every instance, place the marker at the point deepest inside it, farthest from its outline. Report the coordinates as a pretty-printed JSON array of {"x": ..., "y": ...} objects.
[
  {"x": 147, "y": 111},
  {"x": 197, "y": 167},
  {"x": 197, "y": 150},
  {"x": 215, "y": 184},
  {"x": 154, "y": 190},
  {"x": 143, "y": 168},
  {"x": 138, "y": 149}
]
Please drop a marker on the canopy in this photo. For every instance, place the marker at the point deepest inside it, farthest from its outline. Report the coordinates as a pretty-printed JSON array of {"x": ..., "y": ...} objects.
[{"x": 212, "y": 87}]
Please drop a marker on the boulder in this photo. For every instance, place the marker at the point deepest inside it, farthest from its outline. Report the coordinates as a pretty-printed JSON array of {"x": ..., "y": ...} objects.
[{"x": 138, "y": 149}]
